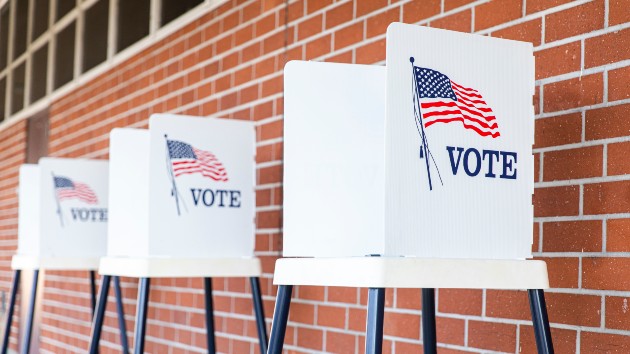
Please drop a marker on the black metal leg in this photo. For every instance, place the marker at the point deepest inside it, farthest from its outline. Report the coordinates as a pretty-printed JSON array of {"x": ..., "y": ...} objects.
[
  {"x": 428, "y": 321},
  {"x": 207, "y": 284},
  {"x": 141, "y": 315},
  {"x": 7, "y": 328},
  {"x": 376, "y": 310},
  {"x": 93, "y": 291},
  {"x": 122, "y": 325},
  {"x": 280, "y": 318},
  {"x": 540, "y": 321},
  {"x": 26, "y": 344},
  {"x": 99, "y": 314},
  {"x": 260, "y": 314}
]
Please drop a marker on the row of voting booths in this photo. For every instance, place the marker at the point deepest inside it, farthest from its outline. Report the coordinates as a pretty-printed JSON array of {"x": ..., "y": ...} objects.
[
  {"x": 416, "y": 174},
  {"x": 175, "y": 200}
]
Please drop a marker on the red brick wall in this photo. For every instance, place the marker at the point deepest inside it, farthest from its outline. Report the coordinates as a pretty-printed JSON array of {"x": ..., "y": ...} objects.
[{"x": 229, "y": 64}]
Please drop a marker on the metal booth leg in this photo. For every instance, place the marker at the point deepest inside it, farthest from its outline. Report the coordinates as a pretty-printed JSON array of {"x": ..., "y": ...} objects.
[
  {"x": 428, "y": 321},
  {"x": 207, "y": 284},
  {"x": 122, "y": 325},
  {"x": 375, "y": 313},
  {"x": 280, "y": 318},
  {"x": 26, "y": 344},
  {"x": 141, "y": 315},
  {"x": 260, "y": 314},
  {"x": 7, "y": 328},
  {"x": 540, "y": 321},
  {"x": 93, "y": 291},
  {"x": 99, "y": 314}
]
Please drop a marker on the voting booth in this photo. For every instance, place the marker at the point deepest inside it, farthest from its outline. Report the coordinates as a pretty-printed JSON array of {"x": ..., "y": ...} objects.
[
  {"x": 62, "y": 223},
  {"x": 418, "y": 174},
  {"x": 62, "y": 214},
  {"x": 182, "y": 204}
]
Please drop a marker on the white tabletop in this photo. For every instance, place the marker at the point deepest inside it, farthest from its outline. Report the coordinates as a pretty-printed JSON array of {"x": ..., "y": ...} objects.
[
  {"x": 400, "y": 272},
  {"x": 22, "y": 262},
  {"x": 165, "y": 267}
]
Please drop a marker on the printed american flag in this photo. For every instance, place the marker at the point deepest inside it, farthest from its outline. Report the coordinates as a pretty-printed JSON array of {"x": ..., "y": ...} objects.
[
  {"x": 68, "y": 189},
  {"x": 444, "y": 101},
  {"x": 186, "y": 159}
]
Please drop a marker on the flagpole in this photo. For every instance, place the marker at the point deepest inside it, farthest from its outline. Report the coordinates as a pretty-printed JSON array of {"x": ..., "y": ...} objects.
[
  {"x": 423, "y": 135},
  {"x": 169, "y": 166},
  {"x": 57, "y": 199}
]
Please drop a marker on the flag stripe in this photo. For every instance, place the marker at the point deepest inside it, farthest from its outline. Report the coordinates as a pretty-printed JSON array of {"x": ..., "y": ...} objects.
[
  {"x": 444, "y": 101},
  {"x": 457, "y": 112},
  {"x": 187, "y": 159},
  {"x": 79, "y": 191},
  {"x": 467, "y": 126}
]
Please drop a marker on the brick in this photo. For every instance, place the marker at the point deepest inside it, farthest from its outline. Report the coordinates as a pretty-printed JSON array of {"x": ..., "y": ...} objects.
[
  {"x": 356, "y": 319},
  {"x": 592, "y": 342},
  {"x": 618, "y": 163},
  {"x": 450, "y": 330},
  {"x": 563, "y": 340},
  {"x": 340, "y": 342},
  {"x": 617, "y": 313},
  {"x": 607, "y": 48},
  {"x": 342, "y": 294},
  {"x": 460, "y": 21},
  {"x": 302, "y": 313},
  {"x": 408, "y": 299},
  {"x": 313, "y": 6},
  {"x": 345, "y": 57},
  {"x": 618, "y": 235},
  {"x": 563, "y": 272},
  {"x": 573, "y": 309},
  {"x": 453, "y": 4},
  {"x": 339, "y": 14},
  {"x": 556, "y": 201},
  {"x": 530, "y": 31},
  {"x": 607, "y": 197},
  {"x": 401, "y": 325},
  {"x": 574, "y": 21},
  {"x": 331, "y": 316},
  {"x": 377, "y": 24},
  {"x": 572, "y": 236},
  {"x": 618, "y": 12},
  {"x": 607, "y": 122},
  {"x": 507, "y": 304},
  {"x": 404, "y": 347},
  {"x": 540, "y": 5},
  {"x": 318, "y": 47},
  {"x": 310, "y": 338},
  {"x": 573, "y": 163},
  {"x": 348, "y": 35},
  {"x": 492, "y": 336},
  {"x": 419, "y": 10},
  {"x": 460, "y": 301},
  {"x": 497, "y": 12},
  {"x": 619, "y": 83},
  {"x": 558, "y": 60},
  {"x": 371, "y": 53},
  {"x": 264, "y": 25},
  {"x": 310, "y": 27},
  {"x": 364, "y": 7},
  {"x": 573, "y": 93},
  {"x": 606, "y": 273},
  {"x": 558, "y": 130}
]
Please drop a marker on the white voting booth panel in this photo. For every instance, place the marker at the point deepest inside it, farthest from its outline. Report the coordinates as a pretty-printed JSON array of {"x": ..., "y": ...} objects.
[
  {"x": 62, "y": 222},
  {"x": 364, "y": 174},
  {"x": 182, "y": 189}
]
